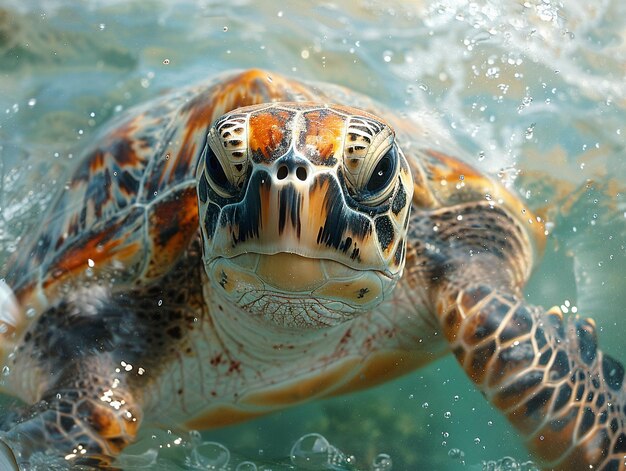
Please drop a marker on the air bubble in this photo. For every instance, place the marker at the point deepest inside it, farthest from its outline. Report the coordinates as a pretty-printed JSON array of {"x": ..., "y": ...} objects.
[
  {"x": 225, "y": 28},
  {"x": 311, "y": 451},
  {"x": 166, "y": 61},
  {"x": 195, "y": 437},
  {"x": 508, "y": 464},
  {"x": 246, "y": 466},
  {"x": 382, "y": 462},
  {"x": 425, "y": 405},
  {"x": 447, "y": 414},
  {"x": 210, "y": 455}
]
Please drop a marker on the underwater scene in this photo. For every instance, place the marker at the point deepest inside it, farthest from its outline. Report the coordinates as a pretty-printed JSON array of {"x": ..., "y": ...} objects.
[{"x": 531, "y": 91}]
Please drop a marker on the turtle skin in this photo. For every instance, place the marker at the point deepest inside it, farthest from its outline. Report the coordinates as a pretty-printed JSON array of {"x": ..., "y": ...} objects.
[{"x": 256, "y": 241}]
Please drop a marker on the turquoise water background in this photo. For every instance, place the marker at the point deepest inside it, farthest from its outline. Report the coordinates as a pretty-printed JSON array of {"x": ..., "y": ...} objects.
[{"x": 533, "y": 91}]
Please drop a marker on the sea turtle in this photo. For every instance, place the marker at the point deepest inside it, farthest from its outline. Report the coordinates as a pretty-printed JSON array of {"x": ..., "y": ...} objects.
[{"x": 256, "y": 241}]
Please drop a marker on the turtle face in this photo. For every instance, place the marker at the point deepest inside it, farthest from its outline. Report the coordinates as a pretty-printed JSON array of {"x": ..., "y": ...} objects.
[{"x": 304, "y": 211}]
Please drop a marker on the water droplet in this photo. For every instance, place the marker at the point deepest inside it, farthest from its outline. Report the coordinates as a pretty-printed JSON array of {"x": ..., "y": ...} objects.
[
  {"x": 477, "y": 441},
  {"x": 160, "y": 303},
  {"x": 166, "y": 61},
  {"x": 481, "y": 156},
  {"x": 225, "y": 28},
  {"x": 304, "y": 53},
  {"x": 5, "y": 370},
  {"x": 447, "y": 414},
  {"x": 30, "y": 312},
  {"x": 310, "y": 451},
  {"x": 530, "y": 131},
  {"x": 526, "y": 101},
  {"x": 102, "y": 26},
  {"x": 91, "y": 263},
  {"x": 387, "y": 55},
  {"x": 279, "y": 14},
  {"x": 425, "y": 405},
  {"x": 32, "y": 102}
]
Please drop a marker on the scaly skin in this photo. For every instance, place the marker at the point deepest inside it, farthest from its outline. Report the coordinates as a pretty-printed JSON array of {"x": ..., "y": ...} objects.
[{"x": 201, "y": 275}]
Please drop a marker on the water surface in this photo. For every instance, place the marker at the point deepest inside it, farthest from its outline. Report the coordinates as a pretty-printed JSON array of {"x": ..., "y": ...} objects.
[{"x": 534, "y": 92}]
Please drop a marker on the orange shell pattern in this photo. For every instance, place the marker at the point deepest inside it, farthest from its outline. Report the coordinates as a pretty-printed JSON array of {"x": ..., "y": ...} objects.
[{"x": 131, "y": 202}]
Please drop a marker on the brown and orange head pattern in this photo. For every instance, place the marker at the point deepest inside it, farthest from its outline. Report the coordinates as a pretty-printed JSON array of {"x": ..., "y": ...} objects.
[{"x": 323, "y": 189}]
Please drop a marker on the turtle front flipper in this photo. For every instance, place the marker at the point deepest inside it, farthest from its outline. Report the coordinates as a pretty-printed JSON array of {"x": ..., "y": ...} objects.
[
  {"x": 545, "y": 374},
  {"x": 84, "y": 410},
  {"x": 73, "y": 424}
]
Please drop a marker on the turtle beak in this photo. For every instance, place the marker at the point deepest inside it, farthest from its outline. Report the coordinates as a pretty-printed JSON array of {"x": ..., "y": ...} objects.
[{"x": 305, "y": 215}]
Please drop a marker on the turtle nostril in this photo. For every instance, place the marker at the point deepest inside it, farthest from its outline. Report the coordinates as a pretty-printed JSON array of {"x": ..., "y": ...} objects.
[
  {"x": 301, "y": 173},
  {"x": 282, "y": 172}
]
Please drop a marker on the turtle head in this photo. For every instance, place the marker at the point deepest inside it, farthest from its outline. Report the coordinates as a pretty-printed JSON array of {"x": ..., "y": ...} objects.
[{"x": 304, "y": 211}]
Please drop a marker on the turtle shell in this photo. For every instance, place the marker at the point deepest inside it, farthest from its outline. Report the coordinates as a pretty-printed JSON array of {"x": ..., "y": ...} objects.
[{"x": 129, "y": 211}]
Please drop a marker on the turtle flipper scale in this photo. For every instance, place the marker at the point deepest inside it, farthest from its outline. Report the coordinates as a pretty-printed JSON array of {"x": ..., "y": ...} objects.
[
  {"x": 74, "y": 426},
  {"x": 83, "y": 408},
  {"x": 545, "y": 373}
]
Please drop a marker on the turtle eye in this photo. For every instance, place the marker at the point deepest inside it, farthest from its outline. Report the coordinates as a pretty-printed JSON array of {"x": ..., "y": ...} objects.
[
  {"x": 216, "y": 175},
  {"x": 382, "y": 174},
  {"x": 379, "y": 186}
]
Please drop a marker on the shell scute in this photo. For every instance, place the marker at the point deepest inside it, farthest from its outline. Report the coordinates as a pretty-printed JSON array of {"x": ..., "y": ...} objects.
[{"x": 170, "y": 222}]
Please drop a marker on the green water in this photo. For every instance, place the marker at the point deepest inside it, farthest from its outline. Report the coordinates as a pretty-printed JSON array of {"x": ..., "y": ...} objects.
[{"x": 533, "y": 91}]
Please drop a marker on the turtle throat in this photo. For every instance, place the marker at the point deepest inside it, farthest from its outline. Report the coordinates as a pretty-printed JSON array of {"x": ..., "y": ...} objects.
[{"x": 294, "y": 291}]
